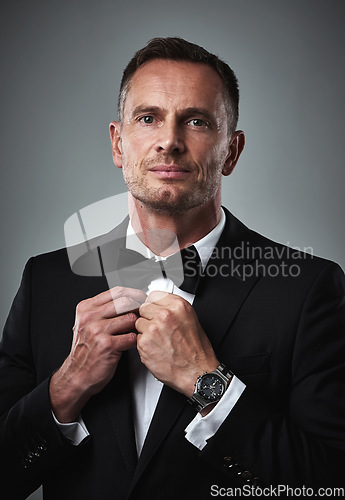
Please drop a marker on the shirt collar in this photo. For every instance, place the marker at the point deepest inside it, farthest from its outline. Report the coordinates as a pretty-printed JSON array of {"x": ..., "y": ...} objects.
[{"x": 204, "y": 246}]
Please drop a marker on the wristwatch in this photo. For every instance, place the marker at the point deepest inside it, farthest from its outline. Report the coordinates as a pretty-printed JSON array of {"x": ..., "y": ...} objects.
[{"x": 210, "y": 387}]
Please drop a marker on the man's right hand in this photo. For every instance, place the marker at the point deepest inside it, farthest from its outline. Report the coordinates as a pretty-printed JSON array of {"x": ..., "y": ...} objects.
[{"x": 103, "y": 329}]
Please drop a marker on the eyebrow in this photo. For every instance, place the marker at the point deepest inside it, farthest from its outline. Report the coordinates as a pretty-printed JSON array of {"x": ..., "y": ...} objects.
[
  {"x": 204, "y": 112},
  {"x": 138, "y": 110}
]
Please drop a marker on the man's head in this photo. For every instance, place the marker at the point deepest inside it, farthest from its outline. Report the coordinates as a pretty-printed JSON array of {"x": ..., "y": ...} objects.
[
  {"x": 176, "y": 135},
  {"x": 178, "y": 49}
]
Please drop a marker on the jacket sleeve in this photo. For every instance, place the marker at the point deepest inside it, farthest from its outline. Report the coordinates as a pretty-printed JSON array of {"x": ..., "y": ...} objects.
[
  {"x": 30, "y": 442},
  {"x": 305, "y": 443}
]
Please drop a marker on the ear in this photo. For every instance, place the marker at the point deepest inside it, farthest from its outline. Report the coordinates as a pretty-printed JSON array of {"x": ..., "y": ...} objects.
[
  {"x": 236, "y": 146},
  {"x": 115, "y": 137}
]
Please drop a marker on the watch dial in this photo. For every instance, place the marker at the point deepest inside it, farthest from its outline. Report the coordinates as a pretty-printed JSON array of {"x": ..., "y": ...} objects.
[{"x": 211, "y": 387}]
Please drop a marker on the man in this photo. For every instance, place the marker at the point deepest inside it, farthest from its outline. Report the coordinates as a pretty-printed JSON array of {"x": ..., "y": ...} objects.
[{"x": 256, "y": 346}]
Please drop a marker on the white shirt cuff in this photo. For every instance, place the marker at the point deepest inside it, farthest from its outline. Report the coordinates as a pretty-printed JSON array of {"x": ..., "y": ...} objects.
[
  {"x": 75, "y": 432},
  {"x": 203, "y": 428}
]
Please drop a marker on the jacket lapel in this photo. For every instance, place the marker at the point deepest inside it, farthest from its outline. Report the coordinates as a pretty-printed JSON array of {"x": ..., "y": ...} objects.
[
  {"x": 228, "y": 279},
  {"x": 98, "y": 260},
  {"x": 98, "y": 257},
  {"x": 170, "y": 406},
  {"x": 118, "y": 405}
]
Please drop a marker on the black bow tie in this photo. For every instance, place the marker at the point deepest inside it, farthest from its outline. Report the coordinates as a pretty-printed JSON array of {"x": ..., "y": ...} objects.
[{"x": 183, "y": 268}]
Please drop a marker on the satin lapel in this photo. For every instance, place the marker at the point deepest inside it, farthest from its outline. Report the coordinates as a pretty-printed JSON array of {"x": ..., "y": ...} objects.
[
  {"x": 169, "y": 407},
  {"x": 118, "y": 404},
  {"x": 98, "y": 257},
  {"x": 107, "y": 250},
  {"x": 114, "y": 402},
  {"x": 111, "y": 410},
  {"x": 229, "y": 278},
  {"x": 118, "y": 400}
]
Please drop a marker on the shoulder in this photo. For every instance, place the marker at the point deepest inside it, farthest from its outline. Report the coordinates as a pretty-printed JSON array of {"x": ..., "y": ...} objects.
[
  {"x": 273, "y": 258},
  {"x": 84, "y": 258}
]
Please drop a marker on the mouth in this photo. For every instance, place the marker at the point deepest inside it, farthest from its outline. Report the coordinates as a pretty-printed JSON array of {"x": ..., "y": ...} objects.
[{"x": 170, "y": 171}]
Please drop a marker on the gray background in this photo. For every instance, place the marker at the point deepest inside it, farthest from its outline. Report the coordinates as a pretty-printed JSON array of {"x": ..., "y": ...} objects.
[{"x": 61, "y": 63}]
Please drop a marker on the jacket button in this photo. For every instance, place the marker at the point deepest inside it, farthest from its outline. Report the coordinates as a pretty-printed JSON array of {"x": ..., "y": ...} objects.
[
  {"x": 228, "y": 461},
  {"x": 30, "y": 457},
  {"x": 237, "y": 469},
  {"x": 42, "y": 447},
  {"x": 247, "y": 475}
]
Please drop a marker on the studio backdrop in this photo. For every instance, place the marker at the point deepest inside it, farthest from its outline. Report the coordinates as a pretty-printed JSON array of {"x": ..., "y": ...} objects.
[{"x": 61, "y": 65}]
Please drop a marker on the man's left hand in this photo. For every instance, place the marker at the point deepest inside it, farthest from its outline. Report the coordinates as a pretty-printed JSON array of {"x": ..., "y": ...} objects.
[{"x": 171, "y": 342}]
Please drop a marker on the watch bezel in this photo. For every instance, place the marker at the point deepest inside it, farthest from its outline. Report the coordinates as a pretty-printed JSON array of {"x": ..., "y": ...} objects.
[
  {"x": 201, "y": 390},
  {"x": 199, "y": 401}
]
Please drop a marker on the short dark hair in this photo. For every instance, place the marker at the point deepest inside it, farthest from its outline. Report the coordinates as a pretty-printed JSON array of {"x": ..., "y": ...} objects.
[{"x": 178, "y": 49}]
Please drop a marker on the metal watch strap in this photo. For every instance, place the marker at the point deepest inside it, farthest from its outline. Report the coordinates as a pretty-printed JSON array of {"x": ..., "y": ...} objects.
[
  {"x": 197, "y": 401},
  {"x": 224, "y": 372}
]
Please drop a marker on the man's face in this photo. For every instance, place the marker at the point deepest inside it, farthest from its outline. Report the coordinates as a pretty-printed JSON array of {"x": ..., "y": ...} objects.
[{"x": 173, "y": 143}]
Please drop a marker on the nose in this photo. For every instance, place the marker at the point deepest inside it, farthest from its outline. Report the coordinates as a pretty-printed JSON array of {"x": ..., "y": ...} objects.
[{"x": 170, "y": 138}]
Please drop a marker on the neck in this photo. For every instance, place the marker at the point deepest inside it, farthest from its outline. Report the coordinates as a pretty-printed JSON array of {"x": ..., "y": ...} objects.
[{"x": 159, "y": 231}]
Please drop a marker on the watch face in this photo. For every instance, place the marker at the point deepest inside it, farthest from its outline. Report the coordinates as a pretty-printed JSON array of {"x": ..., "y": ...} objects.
[{"x": 211, "y": 387}]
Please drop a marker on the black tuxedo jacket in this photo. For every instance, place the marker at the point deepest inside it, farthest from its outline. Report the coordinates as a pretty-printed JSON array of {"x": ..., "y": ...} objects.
[{"x": 274, "y": 316}]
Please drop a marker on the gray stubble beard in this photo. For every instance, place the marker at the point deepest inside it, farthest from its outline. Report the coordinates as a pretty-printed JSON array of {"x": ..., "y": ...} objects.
[{"x": 161, "y": 200}]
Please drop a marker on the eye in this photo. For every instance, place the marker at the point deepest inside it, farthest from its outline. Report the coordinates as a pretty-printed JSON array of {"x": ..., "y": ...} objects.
[
  {"x": 147, "y": 119},
  {"x": 197, "y": 122}
]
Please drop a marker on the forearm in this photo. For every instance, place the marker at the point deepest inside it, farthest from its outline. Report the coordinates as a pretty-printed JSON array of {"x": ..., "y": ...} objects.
[{"x": 67, "y": 394}]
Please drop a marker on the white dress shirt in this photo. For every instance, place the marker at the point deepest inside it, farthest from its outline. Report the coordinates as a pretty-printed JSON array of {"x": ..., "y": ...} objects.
[{"x": 145, "y": 387}]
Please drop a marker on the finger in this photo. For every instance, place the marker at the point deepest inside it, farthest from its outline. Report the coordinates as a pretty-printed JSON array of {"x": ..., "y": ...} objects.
[
  {"x": 141, "y": 324},
  {"x": 119, "y": 306},
  {"x": 116, "y": 292},
  {"x": 157, "y": 296},
  {"x": 149, "y": 310},
  {"x": 119, "y": 325},
  {"x": 133, "y": 293},
  {"x": 124, "y": 342}
]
